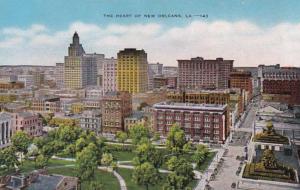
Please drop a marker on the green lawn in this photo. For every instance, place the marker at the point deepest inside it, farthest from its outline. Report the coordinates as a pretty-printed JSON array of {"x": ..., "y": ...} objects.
[
  {"x": 123, "y": 155},
  {"x": 207, "y": 162},
  {"x": 127, "y": 175},
  {"x": 29, "y": 165},
  {"x": 107, "y": 179}
]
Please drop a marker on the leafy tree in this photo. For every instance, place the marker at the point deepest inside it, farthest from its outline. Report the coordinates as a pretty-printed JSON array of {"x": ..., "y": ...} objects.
[
  {"x": 68, "y": 134},
  {"x": 200, "y": 154},
  {"x": 95, "y": 185},
  {"x": 86, "y": 162},
  {"x": 138, "y": 132},
  {"x": 146, "y": 152},
  {"x": 41, "y": 161},
  {"x": 80, "y": 144},
  {"x": 156, "y": 137},
  {"x": 107, "y": 159},
  {"x": 176, "y": 139},
  {"x": 175, "y": 182},
  {"x": 181, "y": 167},
  {"x": 121, "y": 136},
  {"x": 21, "y": 142},
  {"x": 114, "y": 166},
  {"x": 8, "y": 157},
  {"x": 187, "y": 148},
  {"x": 145, "y": 174}
]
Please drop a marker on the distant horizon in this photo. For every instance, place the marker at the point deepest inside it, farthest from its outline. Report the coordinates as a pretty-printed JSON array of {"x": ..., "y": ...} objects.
[{"x": 251, "y": 33}]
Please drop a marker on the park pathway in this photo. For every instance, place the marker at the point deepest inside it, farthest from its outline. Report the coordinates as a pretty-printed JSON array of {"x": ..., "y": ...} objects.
[{"x": 116, "y": 174}]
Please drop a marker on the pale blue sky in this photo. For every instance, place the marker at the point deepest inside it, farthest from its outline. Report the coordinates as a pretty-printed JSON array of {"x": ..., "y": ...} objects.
[{"x": 57, "y": 14}]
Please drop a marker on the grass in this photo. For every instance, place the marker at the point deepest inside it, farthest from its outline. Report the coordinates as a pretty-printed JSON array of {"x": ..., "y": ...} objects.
[
  {"x": 123, "y": 155},
  {"x": 207, "y": 161},
  {"x": 29, "y": 165},
  {"x": 127, "y": 175},
  {"x": 107, "y": 179}
]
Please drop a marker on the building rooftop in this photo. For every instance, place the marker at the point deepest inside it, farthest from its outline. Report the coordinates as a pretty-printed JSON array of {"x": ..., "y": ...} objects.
[
  {"x": 25, "y": 114},
  {"x": 4, "y": 116},
  {"x": 215, "y": 107},
  {"x": 45, "y": 182}
]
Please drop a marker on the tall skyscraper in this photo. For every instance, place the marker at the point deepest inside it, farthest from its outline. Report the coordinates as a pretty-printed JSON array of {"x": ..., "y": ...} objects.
[
  {"x": 199, "y": 73},
  {"x": 80, "y": 68},
  {"x": 132, "y": 71}
]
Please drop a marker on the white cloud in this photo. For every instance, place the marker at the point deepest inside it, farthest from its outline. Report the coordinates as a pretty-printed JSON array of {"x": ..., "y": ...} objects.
[{"x": 243, "y": 41}]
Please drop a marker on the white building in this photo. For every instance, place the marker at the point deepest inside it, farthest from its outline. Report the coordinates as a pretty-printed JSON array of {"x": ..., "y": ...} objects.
[
  {"x": 109, "y": 75},
  {"x": 27, "y": 79},
  {"x": 5, "y": 129},
  {"x": 94, "y": 92},
  {"x": 91, "y": 120}
]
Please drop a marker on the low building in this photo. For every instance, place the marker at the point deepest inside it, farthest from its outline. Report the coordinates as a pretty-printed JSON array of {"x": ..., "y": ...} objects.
[
  {"x": 115, "y": 107},
  {"x": 14, "y": 107},
  {"x": 11, "y": 85},
  {"x": 28, "y": 122},
  {"x": 91, "y": 120},
  {"x": 46, "y": 104},
  {"x": 39, "y": 180},
  {"x": 201, "y": 122},
  {"x": 94, "y": 92},
  {"x": 6, "y": 121},
  {"x": 134, "y": 119}
]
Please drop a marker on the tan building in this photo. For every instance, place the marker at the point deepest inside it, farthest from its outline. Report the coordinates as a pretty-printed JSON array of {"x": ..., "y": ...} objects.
[
  {"x": 115, "y": 107},
  {"x": 46, "y": 104},
  {"x": 132, "y": 71}
]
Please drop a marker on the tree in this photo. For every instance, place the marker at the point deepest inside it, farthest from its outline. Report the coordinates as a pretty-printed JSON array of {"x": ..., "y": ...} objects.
[
  {"x": 8, "y": 157},
  {"x": 175, "y": 182},
  {"x": 156, "y": 137},
  {"x": 80, "y": 144},
  {"x": 41, "y": 161},
  {"x": 146, "y": 152},
  {"x": 121, "y": 137},
  {"x": 138, "y": 132},
  {"x": 176, "y": 139},
  {"x": 107, "y": 159},
  {"x": 21, "y": 142},
  {"x": 68, "y": 134},
  {"x": 145, "y": 174},
  {"x": 86, "y": 162},
  {"x": 95, "y": 185},
  {"x": 187, "y": 148},
  {"x": 181, "y": 167},
  {"x": 200, "y": 154}
]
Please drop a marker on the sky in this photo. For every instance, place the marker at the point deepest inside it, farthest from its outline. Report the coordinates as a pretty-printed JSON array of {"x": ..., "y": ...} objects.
[{"x": 251, "y": 32}]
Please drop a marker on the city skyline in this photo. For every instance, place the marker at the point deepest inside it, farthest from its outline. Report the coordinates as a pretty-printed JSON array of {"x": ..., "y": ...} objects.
[{"x": 249, "y": 32}]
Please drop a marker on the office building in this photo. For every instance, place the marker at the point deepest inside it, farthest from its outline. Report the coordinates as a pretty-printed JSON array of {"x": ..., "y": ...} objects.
[
  {"x": 200, "y": 122},
  {"x": 198, "y": 73},
  {"x": 109, "y": 77},
  {"x": 59, "y": 75},
  {"x": 115, "y": 107},
  {"x": 132, "y": 71}
]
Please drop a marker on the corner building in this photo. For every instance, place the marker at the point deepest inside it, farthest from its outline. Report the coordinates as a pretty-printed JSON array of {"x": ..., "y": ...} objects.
[
  {"x": 132, "y": 71},
  {"x": 200, "y": 122}
]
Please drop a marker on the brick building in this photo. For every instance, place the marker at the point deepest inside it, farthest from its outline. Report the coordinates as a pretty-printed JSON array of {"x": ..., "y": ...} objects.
[
  {"x": 28, "y": 122},
  {"x": 11, "y": 85},
  {"x": 242, "y": 80},
  {"x": 282, "y": 90},
  {"x": 115, "y": 107},
  {"x": 200, "y": 122},
  {"x": 198, "y": 73}
]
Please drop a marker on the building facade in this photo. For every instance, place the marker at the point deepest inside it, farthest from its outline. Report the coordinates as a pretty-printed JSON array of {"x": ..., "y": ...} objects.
[
  {"x": 109, "y": 75},
  {"x": 242, "y": 80},
  {"x": 5, "y": 129},
  {"x": 115, "y": 107},
  {"x": 29, "y": 123},
  {"x": 80, "y": 69},
  {"x": 59, "y": 75},
  {"x": 198, "y": 73},
  {"x": 132, "y": 71},
  {"x": 11, "y": 85},
  {"x": 200, "y": 122},
  {"x": 46, "y": 104},
  {"x": 91, "y": 120}
]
